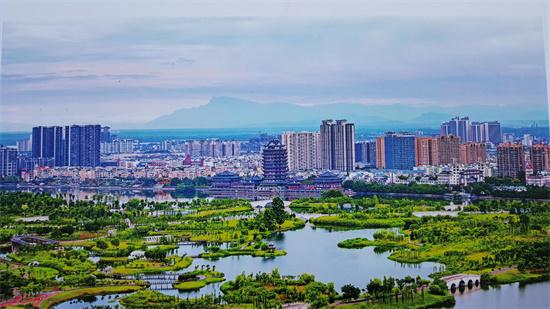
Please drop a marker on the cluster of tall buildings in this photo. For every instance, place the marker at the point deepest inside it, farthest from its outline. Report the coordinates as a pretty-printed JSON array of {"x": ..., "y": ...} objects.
[
  {"x": 118, "y": 146},
  {"x": 332, "y": 148},
  {"x": 468, "y": 131},
  {"x": 75, "y": 145},
  {"x": 461, "y": 141},
  {"x": 275, "y": 170},
  {"x": 403, "y": 151},
  {"x": 203, "y": 148},
  {"x": 512, "y": 159}
]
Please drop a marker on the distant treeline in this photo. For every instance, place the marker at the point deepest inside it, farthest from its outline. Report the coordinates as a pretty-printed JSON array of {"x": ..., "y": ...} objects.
[{"x": 362, "y": 186}]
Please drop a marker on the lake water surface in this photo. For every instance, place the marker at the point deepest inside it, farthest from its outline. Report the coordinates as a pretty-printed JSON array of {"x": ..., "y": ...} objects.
[
  {"x": 309, "y": 250},
  {"x": 515, "y": 295},
  {"x": 314, "y": 251}
]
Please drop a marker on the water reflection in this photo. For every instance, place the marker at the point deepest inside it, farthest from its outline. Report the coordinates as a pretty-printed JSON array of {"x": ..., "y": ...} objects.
[
  {"x": 532, "y": 296},
  {"x": 106, "y": 194},
  {"x": 110, "y": 301}
]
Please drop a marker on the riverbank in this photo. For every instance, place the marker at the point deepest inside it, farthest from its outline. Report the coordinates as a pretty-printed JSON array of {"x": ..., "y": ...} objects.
[
  {"x": 427, "y": 300},
  {"x": 349, "y": 221},
  {"x": 233, "y": 252}
]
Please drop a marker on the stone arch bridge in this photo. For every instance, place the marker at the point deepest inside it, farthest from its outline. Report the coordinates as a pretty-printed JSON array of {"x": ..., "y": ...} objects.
[{"x": 461, "y": 280}]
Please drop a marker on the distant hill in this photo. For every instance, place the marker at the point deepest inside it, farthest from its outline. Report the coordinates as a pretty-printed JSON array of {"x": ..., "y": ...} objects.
[
  {"x": 6, "y": 126},
  {"x": 227, "y": 112}
]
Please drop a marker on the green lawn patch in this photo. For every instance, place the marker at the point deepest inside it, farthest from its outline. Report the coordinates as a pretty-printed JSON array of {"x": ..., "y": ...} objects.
[
  {"x": 147, "y": 266},
  {"x": 197, "y": 279}
]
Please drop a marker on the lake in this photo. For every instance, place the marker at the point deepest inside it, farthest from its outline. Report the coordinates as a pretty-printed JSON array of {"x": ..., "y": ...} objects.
[
  {"x": 314, "y": 251},
  {"x": 309, "y": 250}
]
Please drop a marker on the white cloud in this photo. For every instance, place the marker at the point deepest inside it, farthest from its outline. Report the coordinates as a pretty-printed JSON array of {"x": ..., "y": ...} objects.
[{"x": 301, "y": 53}]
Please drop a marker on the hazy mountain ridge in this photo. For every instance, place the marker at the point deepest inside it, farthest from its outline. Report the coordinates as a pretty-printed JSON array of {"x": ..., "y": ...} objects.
[{"x": 228, "y": 112}]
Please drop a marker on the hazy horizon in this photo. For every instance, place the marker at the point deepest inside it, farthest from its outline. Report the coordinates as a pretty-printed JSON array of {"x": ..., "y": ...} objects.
[{"x": 124, "y": 69}]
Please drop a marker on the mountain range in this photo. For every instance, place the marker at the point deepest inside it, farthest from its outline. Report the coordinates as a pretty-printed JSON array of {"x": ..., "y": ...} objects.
[{"x": 228, "y": 112}]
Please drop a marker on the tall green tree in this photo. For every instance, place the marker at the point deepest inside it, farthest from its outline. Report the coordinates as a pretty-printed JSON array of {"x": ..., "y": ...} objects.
[{"x": 279, "y": 210}]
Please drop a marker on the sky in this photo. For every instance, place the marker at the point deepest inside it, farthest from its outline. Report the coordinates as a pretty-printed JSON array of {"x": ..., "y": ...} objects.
[{"x": 126, "y": 64}]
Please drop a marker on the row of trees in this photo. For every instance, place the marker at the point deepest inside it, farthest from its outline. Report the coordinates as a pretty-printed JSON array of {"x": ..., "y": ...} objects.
[
  {"x": 362, "y": 186},
  {"x": 388, "y": 289}
]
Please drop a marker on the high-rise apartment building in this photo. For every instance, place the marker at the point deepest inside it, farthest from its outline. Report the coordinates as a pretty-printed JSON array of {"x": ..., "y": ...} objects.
[
  {"x": 449, "y": 149},
  {"x": 508, "y": 138},
  {"x": 70, "y": 146},
  {"x": 82, "y": 145},
  {"x": 337, "y": 139},
  {"x": 274, "y": 163},
  {"x": 380, "y": 154},
  {"x": 371, "y": 153},
  {"x": 540, "y": 158},
  {"x": 477, "y": 132},
  {"x": 205, "y": 148},
  {"x": 47, "y": 142},
  {"x": 427, "y": 151},
  {"x": 365, "y": 152},
  {"x": 231, "y": 148},
  {"x": 38, "y": 141},
  {"x": 24, "y": 145},
  {"x": 527, "y": 140},
  {"x": 118, "y": 146},
  {"x": 106, "y": 134},
  {"x": 90, "y": 147},
  {"x": 73, "y": 137},
  {"x": 302, "y": 150},
  {"x": 8, "y": 162},
  {"x": 471, "y": 153},
  {"x": 461, "y": 127},
  {"x": 494, "y": 132},
  {"x": 510, "y": 159},
  {"x": 211, "y": 148},
  {"x": 399, "y": 151}
]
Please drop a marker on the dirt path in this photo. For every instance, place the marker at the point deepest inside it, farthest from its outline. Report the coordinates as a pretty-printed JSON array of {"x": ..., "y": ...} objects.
[{"x": 502, "y": 270}]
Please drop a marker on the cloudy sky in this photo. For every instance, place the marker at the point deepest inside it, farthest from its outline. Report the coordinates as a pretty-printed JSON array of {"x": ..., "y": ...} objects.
[{"x": 132, "y": 68}]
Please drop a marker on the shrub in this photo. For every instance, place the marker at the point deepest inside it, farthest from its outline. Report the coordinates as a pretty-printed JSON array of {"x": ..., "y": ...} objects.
[
  {"x": 350, "y": 291},
  {"x": 101, "y": 244}
]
